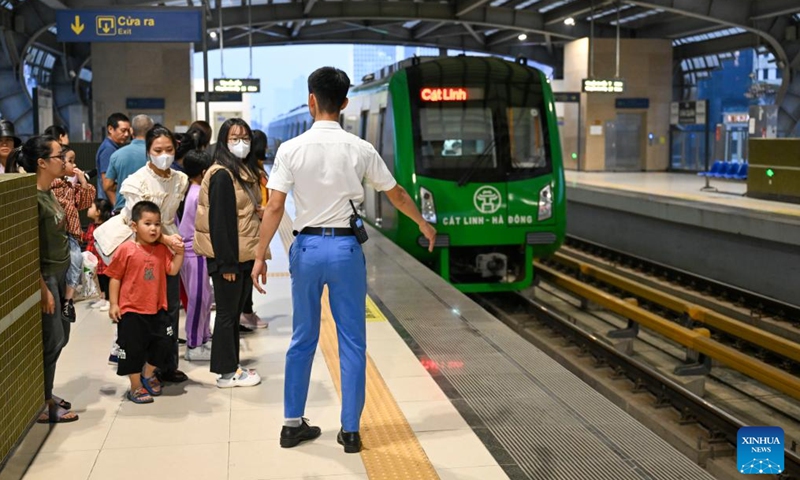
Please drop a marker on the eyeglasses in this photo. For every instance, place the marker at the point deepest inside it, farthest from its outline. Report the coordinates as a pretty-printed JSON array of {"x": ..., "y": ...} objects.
[
  {"x": 236, "y": 139},
  {"x": 62, "y": 157}
]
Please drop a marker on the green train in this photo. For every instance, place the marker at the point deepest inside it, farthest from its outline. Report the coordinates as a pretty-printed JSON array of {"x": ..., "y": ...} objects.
[{"x": 475, "y": 141}]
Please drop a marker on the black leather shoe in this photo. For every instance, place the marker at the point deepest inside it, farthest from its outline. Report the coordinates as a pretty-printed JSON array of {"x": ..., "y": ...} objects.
[
  {"x": 173, "y": 376},
  {"x": 293, "y": 436},
  {"x": 350, "y": 440}
]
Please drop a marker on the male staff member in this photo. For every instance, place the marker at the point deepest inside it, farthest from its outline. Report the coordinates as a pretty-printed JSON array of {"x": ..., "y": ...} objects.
[
  {"x": 118, "y": 128},
  {"x": 325, "y": 166}
]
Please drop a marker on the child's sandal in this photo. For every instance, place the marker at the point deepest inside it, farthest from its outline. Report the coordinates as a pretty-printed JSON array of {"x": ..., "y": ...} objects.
[
  {"x": 152, "y": 385},
  {"x": 140, "y": 396}
]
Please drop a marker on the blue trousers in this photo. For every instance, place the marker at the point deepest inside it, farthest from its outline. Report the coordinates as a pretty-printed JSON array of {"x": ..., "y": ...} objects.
[{"x": 338, "y": 262}]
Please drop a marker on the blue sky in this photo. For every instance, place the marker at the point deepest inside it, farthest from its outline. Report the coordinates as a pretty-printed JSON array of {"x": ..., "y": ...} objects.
[{"x": 279, "y": 69}]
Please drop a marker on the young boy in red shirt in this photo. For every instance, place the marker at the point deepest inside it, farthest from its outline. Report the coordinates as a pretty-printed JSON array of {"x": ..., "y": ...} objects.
[{"x": 138, "y": 297}]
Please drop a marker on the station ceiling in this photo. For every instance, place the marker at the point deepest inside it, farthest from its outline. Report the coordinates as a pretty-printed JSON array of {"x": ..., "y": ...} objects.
[{"x": 492, "y": 26}]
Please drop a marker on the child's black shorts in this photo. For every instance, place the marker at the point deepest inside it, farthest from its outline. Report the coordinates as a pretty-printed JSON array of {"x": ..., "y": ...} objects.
[{"x": 143, "y": 338}]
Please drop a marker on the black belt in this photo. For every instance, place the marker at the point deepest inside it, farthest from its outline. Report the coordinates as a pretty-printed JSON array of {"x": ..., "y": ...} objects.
[{"x": 331, "y": 231}]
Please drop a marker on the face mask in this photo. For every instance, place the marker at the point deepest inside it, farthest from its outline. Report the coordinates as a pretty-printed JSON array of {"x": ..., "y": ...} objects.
[
  {"x": 162, "y": 162},
  {"x": 239, "y": 148}
]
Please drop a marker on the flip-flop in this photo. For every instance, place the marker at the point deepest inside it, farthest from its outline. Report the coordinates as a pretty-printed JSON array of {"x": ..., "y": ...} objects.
[
  {"x": 152, "y": 385},
  {"x": 62, "y": 403},
  {"x": 58, "y": 417},
  {"x": 140, "y": 396}
]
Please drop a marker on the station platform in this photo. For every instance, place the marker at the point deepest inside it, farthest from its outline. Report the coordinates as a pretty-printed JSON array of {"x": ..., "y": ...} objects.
[
  {"x": 452, "y": 393},
  {"x": 669, "y": 218}
]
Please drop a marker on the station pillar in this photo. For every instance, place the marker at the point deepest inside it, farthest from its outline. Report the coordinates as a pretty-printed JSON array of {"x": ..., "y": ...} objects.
[
  {"x": 628, "y": 131},
  {"x": 135, "y": 78}
]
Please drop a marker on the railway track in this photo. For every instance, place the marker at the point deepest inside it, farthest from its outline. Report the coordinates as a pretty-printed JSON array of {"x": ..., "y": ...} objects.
[
  {"x": 744, "y": 305},
  {"x": 719, "y": 428}
]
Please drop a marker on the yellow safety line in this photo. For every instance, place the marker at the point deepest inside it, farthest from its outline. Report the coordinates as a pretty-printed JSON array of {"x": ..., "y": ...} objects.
[
  {"x": 697, "y": 339},
  {"x": 374, "y": 313},
  {"x": 391, "y": 448}
]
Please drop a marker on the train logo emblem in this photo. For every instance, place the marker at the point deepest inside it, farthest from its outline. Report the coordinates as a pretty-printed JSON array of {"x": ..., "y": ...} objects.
[
  {"x": 759, "y": 450},
  {"x": 487, "y": 199}
]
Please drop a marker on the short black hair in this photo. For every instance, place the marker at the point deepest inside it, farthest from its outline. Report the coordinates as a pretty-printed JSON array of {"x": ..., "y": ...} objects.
[
  {"x": 195, "y": 162},
  {"x": 144, "y": 207},
  {"x": 56, "y": 131},
  {"x": 115, "y": 118},
  {"x": 329, "y": 86}
]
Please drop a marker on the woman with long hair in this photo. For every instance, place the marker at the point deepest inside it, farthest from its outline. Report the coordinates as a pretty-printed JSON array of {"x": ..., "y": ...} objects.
[
  {"x": 43, "y": 156},
  {"x": 226, "y": 234},
  {"x": 249, "y": 319}
]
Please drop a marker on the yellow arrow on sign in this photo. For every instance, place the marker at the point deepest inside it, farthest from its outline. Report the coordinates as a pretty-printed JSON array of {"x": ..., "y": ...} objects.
[{"x": 77, "y": 26}]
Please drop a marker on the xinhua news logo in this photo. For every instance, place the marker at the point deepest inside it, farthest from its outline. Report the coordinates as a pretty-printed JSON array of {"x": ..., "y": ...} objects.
[{"x": 759, "y": 450}]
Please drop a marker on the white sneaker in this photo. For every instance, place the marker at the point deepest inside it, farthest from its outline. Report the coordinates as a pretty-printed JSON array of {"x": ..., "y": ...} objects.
[
  {"x": 242, "y": 378},
  {"x": 199, "y": 354},
  {"x": 105, "y": 306},
  {"x": 97, "y": 304}
]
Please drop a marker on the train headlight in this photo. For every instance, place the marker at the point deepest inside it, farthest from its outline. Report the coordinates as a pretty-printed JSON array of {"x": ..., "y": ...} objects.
[
  {"x": 427, "y": 206},
  {"x": 545, "y": 203}
]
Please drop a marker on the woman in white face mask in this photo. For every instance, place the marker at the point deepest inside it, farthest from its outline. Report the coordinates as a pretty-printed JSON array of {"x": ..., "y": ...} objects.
[
  {"x": 226, "y": 233},
  {"x": 157, "y": 183}
]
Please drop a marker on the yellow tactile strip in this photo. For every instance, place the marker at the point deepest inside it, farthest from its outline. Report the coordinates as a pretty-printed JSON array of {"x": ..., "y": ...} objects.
[{"x": 391, "y": 449}]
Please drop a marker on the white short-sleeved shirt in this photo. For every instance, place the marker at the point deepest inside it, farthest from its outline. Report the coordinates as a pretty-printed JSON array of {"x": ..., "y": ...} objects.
[{"x": 325, "y": 166}]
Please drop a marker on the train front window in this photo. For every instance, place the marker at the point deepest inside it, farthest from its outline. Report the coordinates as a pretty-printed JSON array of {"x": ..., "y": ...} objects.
[
  {"x": 456, "y": 138},
  {"x": 526, "y": 138}
]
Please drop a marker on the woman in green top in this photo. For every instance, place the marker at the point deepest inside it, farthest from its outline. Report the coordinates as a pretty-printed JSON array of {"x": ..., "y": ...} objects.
[{"x": 43, "y": 156}]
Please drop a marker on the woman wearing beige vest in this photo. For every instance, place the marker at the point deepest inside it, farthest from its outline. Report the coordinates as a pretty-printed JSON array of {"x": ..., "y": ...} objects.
[{"x": 226, "y": 233}]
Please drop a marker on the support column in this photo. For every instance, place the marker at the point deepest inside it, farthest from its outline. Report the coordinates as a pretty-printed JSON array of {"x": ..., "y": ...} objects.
[
  {"x": 122, "y": 71},
  {"x": 646, "y": 67}
]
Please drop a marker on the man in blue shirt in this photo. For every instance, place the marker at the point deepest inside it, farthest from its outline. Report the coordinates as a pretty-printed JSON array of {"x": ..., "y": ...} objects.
[
  {"x": 127, "y": 160},
  {"x": 118, "y": 128}
]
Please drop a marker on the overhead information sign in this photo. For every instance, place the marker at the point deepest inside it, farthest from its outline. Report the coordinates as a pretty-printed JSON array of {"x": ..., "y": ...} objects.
[
  {"x": 567, "y": 97},
  {"x": 634, "y": 103},
  {"x": 688, "y": 113},
  {"x": 218, "y": 97},
  {"x": 237, "y": 85},
  {"x": 161, "y": 25},
  {"x": 615, "y": 85}
]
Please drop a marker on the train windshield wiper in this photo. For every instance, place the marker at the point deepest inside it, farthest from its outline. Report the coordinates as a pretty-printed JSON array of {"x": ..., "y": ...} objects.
[{"x": 487, "y": 153}]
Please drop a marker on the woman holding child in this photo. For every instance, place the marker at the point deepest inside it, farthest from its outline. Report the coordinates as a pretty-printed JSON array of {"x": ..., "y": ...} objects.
[
  {"x": 43, "y": 156},
  {"x": 166, "y": 188}
]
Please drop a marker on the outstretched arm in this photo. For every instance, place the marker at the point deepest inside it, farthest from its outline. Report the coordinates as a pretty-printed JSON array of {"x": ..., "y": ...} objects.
[{"x": 403, "y": 202}]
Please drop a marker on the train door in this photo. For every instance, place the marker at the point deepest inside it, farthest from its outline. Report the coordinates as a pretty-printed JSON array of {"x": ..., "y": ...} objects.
[
  {"x": 362, "y": 126},
  {"x": 379, "y": 146}
]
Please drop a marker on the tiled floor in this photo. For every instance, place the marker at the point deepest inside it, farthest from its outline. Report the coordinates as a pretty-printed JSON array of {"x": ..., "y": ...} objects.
[
  {"x": 196, "y": 431},
  {"x": 682, "y": 186}
]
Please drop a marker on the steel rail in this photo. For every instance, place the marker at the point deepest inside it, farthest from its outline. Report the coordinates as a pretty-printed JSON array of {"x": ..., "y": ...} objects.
[
  {"x": 749, "y": 333},
  {"x": 720, "y": 425},
  {"x": 695, "y": 340}
]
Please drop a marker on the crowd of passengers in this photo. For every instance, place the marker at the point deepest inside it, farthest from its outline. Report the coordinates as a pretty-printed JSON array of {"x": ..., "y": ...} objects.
[
  {"x": 152, "y": 189},
  {"x": 175, "y": 220}
]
